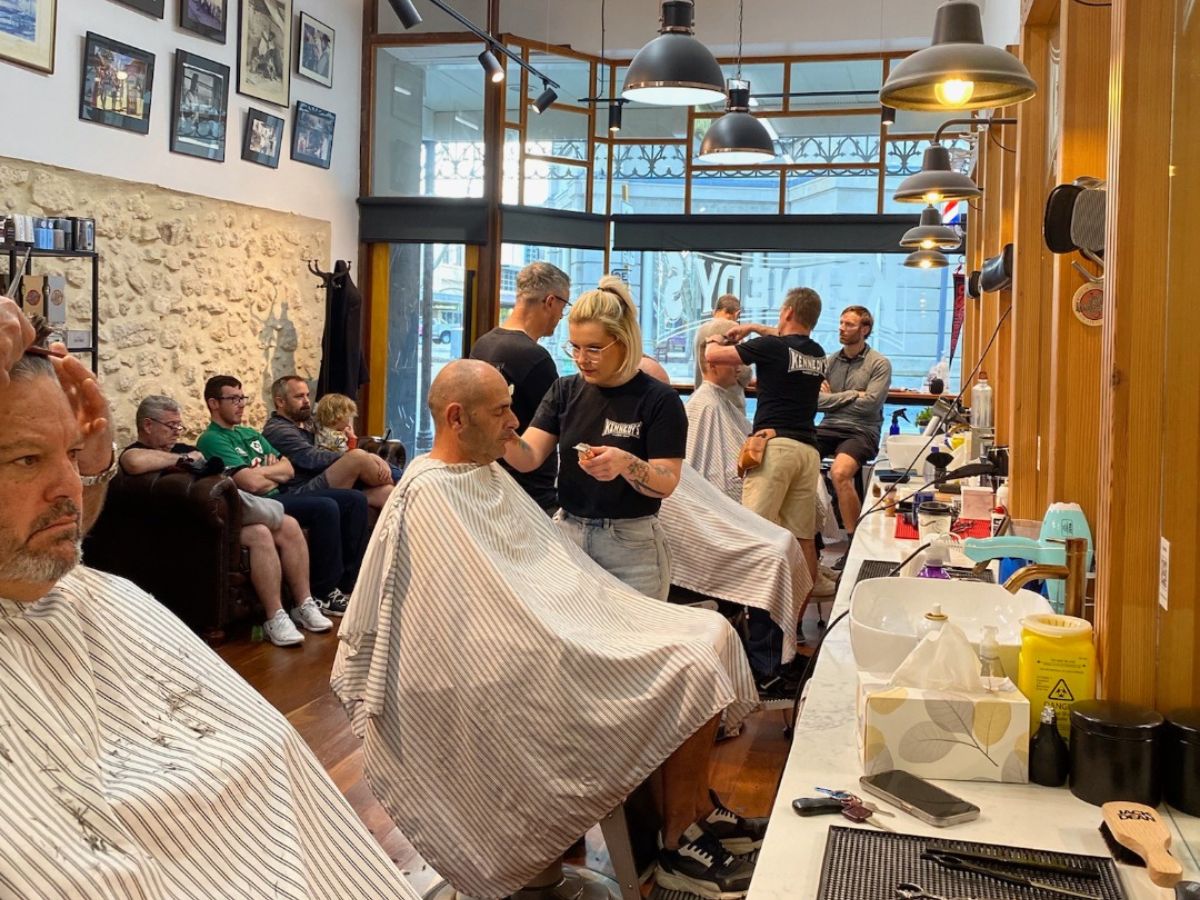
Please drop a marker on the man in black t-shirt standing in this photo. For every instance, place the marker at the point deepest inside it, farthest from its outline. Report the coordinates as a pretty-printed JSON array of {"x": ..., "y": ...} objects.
[
  {"x": 790, "y": 368},
  {"x": 513, "y": 348}
]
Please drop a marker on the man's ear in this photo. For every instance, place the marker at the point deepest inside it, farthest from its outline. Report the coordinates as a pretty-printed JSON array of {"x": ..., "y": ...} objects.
[{"x": 454, "y": 415}]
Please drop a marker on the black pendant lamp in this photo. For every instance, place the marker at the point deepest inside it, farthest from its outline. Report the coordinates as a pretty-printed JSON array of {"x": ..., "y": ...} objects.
[
  {"x": 926, "y": 259},
  {"x": 936, "y": 181},
  {"x": 931, "y": 234},
  {"x": 737, "y": 138},
  {"x": 674, "y": 69},
  {"x": 959, "y": 71}
]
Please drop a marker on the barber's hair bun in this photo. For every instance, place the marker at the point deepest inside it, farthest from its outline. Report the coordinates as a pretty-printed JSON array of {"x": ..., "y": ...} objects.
[{"x": 615, "y": 285}]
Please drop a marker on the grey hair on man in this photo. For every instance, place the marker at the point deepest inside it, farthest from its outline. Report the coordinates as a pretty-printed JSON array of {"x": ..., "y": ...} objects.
[
  {"x": 154, "y": 406},
  {"x": 29, "y": 367},
  {"x": 728, "y": 304},
  {"x": 538, "y": 279}
]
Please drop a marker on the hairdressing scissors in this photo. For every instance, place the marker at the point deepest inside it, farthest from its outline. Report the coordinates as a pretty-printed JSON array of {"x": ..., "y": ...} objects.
[
  {"x": 911, "y": 891},
  {"x": 950, "y": 861}
]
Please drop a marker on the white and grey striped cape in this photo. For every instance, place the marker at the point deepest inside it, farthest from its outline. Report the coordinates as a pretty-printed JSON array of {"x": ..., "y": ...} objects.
[
  {"x": 509, "y": 691},
  {"x": 717, "y": 427},
  {"x": 721, "y": 549},
  {"x": 134, "y": 763}
]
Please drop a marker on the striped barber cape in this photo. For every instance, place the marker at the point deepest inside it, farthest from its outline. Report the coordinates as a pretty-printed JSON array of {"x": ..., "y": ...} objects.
[
  {"x": 721, "y": 549},
  {"x": 134, "y": 763},
  {"x": 717, "y": 428},
  {"x": 510, "y": 693}
]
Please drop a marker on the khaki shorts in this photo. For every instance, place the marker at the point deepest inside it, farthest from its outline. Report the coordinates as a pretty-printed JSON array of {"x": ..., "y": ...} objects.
[{"x": 784, "y": 488}]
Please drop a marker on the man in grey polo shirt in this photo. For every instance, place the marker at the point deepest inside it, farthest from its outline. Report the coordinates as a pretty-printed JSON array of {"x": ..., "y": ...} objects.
[
  {"x": 726, "y": 312},
  {"x": 856, "y": 385}
]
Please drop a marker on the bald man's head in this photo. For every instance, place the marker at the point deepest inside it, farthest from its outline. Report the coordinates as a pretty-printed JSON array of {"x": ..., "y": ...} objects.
[
  {"x": 471, "y": 405},
  {"x": 654, "y": 369}
]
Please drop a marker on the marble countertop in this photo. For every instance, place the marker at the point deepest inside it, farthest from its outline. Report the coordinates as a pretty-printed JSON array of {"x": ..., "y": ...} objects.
[{"x": 825, "y": 753}]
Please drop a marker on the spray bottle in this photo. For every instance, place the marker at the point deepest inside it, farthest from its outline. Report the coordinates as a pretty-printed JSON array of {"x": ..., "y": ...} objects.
[{"x": 899, "y": 414}]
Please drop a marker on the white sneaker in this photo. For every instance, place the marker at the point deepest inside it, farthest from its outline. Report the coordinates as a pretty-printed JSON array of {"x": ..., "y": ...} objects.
[
  {"x": 281, "y": 632},
  {"x": 308, "y": 615},
  {"x": 824, "y": 587}
]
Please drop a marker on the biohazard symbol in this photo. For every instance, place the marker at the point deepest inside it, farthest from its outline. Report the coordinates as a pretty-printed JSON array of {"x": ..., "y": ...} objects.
[{"x": 1062, "y": 692}]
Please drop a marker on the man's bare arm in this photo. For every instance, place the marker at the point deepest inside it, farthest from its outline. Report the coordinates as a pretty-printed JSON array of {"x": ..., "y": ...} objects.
[{"x": 138, "y": 460}]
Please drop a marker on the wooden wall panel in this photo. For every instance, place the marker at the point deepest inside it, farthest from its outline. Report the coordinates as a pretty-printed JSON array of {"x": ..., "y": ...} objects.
[
  {"x": 991, "y": 159},
  {"x": 1132, "y": 441},
  {"x": 1003, "y": 139}
]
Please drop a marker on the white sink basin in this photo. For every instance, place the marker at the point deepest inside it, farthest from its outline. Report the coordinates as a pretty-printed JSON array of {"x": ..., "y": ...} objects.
[{"x": 887, "y": 614}]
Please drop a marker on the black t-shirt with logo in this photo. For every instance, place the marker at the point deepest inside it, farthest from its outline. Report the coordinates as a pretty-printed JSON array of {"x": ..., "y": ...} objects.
[
  {"x": 643, "y": 416},
  {"x": 789, "y": 371},
  {"x": 527, "y": 366}
]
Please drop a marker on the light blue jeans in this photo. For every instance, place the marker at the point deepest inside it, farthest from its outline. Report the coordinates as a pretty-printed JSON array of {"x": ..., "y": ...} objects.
[{"x": 633, "y": 550}]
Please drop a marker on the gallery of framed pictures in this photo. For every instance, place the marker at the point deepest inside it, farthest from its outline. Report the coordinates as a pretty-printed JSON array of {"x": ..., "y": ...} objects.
[
  {"x": 117, "y": 84},
  {"x": 315, "y": 53},
  {"x": 199, "y": 106},
  {"x": 263, "y": 138},
  {"x": 312, "y": 135},
  {"x": 205, "y": 17},
  {"x": 27, "y": 33},
  {"x": 265, "y": 50}
]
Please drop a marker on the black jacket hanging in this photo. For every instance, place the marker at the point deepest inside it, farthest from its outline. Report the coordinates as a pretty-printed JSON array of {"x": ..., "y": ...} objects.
[{"x": 343, "y": 364}]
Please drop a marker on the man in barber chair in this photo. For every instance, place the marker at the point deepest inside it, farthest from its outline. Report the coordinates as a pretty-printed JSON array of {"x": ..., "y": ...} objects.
[
  {"x": 275, "y": 542},
  {"x": 717, "y": 428},
  {"x": 510, "y": 692}
]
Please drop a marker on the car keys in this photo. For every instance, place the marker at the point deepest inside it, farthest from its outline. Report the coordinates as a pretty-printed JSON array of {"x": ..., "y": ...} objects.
[{"x": 849, "y": 805}]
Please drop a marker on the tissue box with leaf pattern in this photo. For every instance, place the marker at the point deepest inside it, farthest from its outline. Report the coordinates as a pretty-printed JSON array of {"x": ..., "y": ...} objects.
[{"x": 935, "y": 733}]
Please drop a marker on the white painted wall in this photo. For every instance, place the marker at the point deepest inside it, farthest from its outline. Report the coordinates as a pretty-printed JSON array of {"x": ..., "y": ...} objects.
[{"x": 40, "y": 116}]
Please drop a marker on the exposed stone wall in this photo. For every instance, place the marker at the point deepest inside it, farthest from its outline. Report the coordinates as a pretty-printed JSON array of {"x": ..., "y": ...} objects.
[{"x": 189, "y": 287}]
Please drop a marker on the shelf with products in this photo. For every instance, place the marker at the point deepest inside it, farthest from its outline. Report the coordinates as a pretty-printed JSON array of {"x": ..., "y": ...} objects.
[{"x": 21, "y": 256}]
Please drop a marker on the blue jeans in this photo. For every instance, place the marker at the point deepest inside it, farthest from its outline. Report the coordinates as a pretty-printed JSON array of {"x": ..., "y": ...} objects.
[{"x": 633, "y": 550}]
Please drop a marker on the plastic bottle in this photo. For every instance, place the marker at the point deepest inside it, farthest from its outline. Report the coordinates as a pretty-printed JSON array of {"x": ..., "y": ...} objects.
[
  {"x": 989, "y": 655},
  {"x": 933, "y": 621},
  {"x": 1002, "y": 496},
  {"x": 1056, "y": 666},
  {"x": 981, "y": 403},
  {"x": 1049, "y": 758},
  {"x": 934, "y": 567}
]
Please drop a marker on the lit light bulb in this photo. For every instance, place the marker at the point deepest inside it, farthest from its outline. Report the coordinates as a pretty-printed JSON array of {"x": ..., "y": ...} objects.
[
  {"x": 954, "y": 92},
  {"x": 497, "y": 77},
  {"x": 927, "y": 245},
  {"x": 932, "y": 197},
  {"x": 926, "y": 264}
]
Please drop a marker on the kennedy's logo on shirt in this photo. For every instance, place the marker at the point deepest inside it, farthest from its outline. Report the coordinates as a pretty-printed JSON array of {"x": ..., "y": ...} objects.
[
  {"x": 622, "y": 429},
  {"x": 802, "y": 362}
]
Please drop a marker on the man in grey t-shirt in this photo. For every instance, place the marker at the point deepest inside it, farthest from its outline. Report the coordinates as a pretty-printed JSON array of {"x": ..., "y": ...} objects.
[{"x": 726, "y": 312}]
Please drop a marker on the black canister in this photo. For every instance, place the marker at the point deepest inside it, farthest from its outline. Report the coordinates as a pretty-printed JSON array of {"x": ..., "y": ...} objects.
[
  {"x": 1115, "y": 752},
  {"x": 1181, "y": 760}
]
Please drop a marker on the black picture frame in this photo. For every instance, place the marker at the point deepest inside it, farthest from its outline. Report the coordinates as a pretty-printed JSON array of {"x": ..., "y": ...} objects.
[
  {"x": 155, "y": 8},
  {"x": 199, "y": 107},
  {"x": 209, "y": 18},
  {"x": 265, "y": 50},
  {"x": 314, "y": 50},
  {"x": 116, "y": 85},
  {"x": 312, "y": 135},
  {"x": 262, "y": 140}
]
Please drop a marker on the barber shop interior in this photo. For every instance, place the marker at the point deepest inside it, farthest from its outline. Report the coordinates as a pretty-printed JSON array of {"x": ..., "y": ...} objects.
[{"x": 599, "y": 450}]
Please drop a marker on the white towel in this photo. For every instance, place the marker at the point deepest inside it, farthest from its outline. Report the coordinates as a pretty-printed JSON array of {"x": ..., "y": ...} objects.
[{"x": 510, "y": 693}]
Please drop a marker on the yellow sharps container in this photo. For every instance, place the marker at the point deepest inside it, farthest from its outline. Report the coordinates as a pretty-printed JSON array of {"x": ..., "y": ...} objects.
[{"x": 1056, "y": 666}]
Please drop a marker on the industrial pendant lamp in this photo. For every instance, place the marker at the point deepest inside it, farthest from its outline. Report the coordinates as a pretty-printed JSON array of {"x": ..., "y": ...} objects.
[
  {"x": 931, "y": 234},
  {"x": 926, "y": 259},
  {"x": 737, "y": 138},
  {"x": 674, "y": 69},
  {"x": 936, "y": 181},
  {"x": 959, "y": 71}
]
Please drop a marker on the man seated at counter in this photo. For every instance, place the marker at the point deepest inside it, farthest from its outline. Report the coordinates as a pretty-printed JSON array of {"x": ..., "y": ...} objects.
[
  {"x": 135, "y": 762},
  {"x": 857, "y": 379},
  {"x": 510, "y": 692}
]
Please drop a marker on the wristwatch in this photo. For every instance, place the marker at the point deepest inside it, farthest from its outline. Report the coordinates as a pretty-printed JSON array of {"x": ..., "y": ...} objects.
[{"x": 101, "y": 477}]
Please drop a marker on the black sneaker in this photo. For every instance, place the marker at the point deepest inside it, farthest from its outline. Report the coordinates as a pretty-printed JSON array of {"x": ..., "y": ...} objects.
[
  {"x": 334, "y": 603},
  {"x": 840, "y": 563},
  {"x": 701, "y": 866},
  {"x": 783, "y": 686},
  {"x": 737, "y": 834}
]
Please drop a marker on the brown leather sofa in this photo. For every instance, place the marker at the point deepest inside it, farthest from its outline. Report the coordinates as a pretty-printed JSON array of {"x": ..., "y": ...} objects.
[{"x": 177, "y": 537}]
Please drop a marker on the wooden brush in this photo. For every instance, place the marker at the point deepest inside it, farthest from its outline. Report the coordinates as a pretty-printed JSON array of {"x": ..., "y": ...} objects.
[{"x": 1139, "y": 828}]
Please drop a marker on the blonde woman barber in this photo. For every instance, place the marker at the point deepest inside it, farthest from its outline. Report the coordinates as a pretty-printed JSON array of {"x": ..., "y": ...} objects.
[{"x": 622, "y": 437}]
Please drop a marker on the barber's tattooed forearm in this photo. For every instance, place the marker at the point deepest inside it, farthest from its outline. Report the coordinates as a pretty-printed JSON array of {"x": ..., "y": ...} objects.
[
  {"x": 525, "y": 448},
  {"x": 639, "y": 475}
]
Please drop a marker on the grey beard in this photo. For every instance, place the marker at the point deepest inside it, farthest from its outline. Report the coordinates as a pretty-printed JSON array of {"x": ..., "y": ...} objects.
[{"x": 26, "y": 566}]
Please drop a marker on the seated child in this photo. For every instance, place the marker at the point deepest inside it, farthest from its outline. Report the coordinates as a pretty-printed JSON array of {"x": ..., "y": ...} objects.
[{"x": 333, "y": 414}]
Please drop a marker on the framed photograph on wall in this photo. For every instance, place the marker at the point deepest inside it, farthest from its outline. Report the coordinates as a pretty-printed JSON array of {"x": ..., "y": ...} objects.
[
  {"x": 27, "y": 33},
  {"x": 205, "y": 17},
  {"x": 117, "y": 84},
  {"x": 263, "y": 138},
  {"x": 199, "y": 106},
  {"x": 265, "y": 50},
  {"x": 149, "y": 7},
  {"x": 312, "y": 135},
  {"x": 314, "y": 58}
]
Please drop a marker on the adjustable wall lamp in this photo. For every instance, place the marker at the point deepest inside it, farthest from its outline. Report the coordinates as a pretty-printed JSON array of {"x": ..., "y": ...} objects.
[{"x": 937, "y": 181}]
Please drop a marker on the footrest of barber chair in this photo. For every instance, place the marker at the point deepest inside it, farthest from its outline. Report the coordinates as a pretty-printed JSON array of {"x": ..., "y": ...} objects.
[{"x": 577, "y": 883}]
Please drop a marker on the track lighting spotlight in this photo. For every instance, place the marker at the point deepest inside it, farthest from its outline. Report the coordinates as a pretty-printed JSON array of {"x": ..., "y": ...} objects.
[
  {"x": 404, "y": 9},
  {"x": 887, "y": 115},
  {"x": 491, "y": 65},
  {"x": 614, "y": 117},
  {"x": 545, "y": 98}
]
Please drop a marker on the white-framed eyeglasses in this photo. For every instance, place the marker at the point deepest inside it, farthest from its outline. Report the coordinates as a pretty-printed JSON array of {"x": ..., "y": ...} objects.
[{"x": 575, "y": 352}]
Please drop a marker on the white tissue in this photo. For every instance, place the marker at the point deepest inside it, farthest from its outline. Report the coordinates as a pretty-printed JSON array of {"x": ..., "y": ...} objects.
[{"x": 944, "y": 660}]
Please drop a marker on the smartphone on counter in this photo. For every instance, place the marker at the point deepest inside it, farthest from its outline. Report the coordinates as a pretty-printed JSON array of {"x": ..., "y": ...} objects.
[{"x": 916, "y": 796}]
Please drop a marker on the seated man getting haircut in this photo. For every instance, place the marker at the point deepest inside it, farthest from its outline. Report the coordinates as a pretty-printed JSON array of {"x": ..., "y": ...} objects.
[
  {"x": 510, "y": 692},
  {"x": 717, "y": 427},
  {"x": 275, "y": 541},
  {"x": 135, "y": 762}
]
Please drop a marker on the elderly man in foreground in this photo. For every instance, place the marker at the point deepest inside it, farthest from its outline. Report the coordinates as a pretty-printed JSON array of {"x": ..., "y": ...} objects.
[
  {"x": 135, "y": 762},
  {"x": 510, "y": 692}
]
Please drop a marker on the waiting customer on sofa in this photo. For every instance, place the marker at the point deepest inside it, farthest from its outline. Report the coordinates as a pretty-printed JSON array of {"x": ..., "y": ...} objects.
[
  {"x": 274, "y": 539},
  {"x": 292, "y": 430},
  {"x": 136, "y": 762},
  {"x": 336, "y": 520}
]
